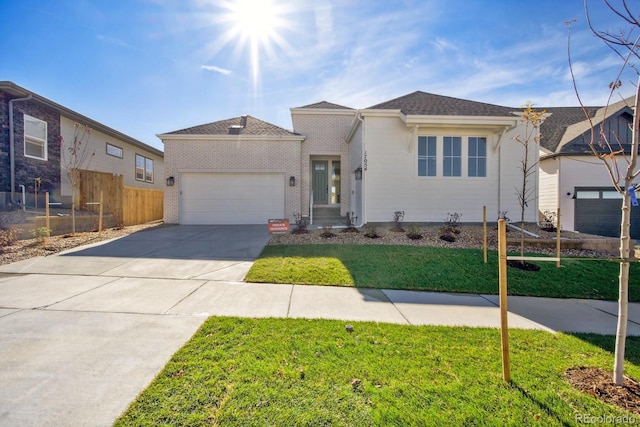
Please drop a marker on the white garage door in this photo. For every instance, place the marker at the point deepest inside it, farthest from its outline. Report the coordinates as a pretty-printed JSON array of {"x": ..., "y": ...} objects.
[{"x": 231, "y": 198}]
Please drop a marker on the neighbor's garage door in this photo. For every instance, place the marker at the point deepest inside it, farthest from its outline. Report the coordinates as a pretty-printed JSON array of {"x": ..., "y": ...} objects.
[
  {"x": 598, "y": 211},
  {"x": 231, "y": 198}
]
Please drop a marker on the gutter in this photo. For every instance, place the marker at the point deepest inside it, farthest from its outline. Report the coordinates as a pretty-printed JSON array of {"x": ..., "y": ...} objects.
[{"x": 12, "y": 149}]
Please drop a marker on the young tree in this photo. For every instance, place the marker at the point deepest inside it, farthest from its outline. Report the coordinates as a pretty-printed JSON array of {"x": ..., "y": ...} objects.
[
  {"x": 531, "y": 119},
  {"x": 76, "y": 156},
  {"x": 616, "y": 153}
]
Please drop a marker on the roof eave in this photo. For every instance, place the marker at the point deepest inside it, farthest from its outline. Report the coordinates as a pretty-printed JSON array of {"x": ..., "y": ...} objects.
[
  {"x": 226, "y": 137},
  {"x": 301, "y": 111},
  {"x": 73, "y": 115}
]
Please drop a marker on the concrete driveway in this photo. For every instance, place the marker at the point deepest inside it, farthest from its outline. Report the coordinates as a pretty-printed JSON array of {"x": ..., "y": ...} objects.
[{"x": 82, "y": 333}]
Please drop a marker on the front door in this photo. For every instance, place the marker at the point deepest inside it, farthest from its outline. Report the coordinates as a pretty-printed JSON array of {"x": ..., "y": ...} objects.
[{"x": 320, "y": 182}]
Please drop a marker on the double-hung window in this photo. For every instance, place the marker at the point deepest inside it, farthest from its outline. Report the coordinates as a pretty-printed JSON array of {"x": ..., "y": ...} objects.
[
  {"x": 35, "y": 138},
  {"x": 144, "y": 168},
  {"x": 477, "y": 156},
  {"x": 452, "y": 156},
  {"x": 426, "y": 156}
]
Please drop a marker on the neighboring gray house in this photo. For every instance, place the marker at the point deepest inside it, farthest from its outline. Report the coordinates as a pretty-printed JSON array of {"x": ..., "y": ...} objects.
[
  {"x": 424, "y": 154},
  {"x": 35, "y": 135},
  {"x": 573, "y": 179}
]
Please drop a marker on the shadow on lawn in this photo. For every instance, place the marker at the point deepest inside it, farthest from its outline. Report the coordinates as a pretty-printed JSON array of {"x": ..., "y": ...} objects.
[{"x": 607, "y": 343}]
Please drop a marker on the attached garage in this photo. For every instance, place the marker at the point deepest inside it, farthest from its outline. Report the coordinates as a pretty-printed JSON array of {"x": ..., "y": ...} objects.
[
  {"x": 598, "y": 211},
  {"x": 231, "y": 198}
]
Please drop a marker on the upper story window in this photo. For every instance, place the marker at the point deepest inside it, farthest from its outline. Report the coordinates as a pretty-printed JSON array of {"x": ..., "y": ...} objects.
[
  {"x": 452, "y": 156},
  {"x": 427, "y": 155},
  {"x": 114, "y": 151},
  {"x": 477, "y": 156},
  {"x": 144, "y": 168},
  {"x": 35, "y": 138}
]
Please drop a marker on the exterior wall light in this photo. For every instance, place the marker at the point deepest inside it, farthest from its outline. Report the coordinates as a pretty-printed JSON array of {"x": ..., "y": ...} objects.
[
  {"x": 170, "y": 181},
  {"x": 292, "y": 181},
  {"x": 358, "y": 173}
]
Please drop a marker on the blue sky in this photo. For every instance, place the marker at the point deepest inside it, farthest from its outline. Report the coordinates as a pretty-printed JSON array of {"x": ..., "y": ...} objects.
[{"x": 145, "y": 67}]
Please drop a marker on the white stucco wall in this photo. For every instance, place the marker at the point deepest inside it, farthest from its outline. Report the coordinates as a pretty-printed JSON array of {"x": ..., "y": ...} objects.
[
  {"x": 234, "y": 154},
  {"x": 102, "y": 162},
  {"x": 326, "y": 132},
  {"x": 355, "y": 162},
  {"x": 392, "y": 181}
]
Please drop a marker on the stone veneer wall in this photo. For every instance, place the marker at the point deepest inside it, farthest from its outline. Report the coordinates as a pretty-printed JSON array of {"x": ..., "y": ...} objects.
[{"x": 28, "y": 169}]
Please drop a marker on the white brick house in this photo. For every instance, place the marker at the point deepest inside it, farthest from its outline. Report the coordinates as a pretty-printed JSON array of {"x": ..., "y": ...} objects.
[{"x": 421, "y": 153}]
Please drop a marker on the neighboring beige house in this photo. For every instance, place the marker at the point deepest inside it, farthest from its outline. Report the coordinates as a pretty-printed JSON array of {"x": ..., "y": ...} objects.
[
  {"x": 34, "y": 144},
  {"x": 573, "y": 179},
  {"x": 424, "y": 154}
]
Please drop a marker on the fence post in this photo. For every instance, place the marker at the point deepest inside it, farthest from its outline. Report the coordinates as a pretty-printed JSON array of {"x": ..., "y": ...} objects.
[
  {"x": 504, "y": 326},
  {"x": 558, "y": 238},
  {"x": 101, "y": 210},
  {"x": 484, "y": 232},
  {"x": 46, "y": 213}
]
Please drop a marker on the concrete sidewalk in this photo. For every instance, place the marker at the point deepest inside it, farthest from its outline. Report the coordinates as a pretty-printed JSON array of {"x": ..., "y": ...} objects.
[{"x": 78, "y": 349}]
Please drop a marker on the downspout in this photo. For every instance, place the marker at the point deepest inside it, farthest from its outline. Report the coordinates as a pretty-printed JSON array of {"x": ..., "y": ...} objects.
[
  {"x": 12, "y": 150},
  {"x": 363, "y": 198}
]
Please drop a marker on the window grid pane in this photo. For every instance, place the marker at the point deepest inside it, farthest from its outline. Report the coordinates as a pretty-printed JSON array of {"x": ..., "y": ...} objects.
[
  {"x": 477, "y": 162},
  {"x": 427, "y": 156},
  {"x": 452, "y": 158},
  {"x": 139, "y": 168}
]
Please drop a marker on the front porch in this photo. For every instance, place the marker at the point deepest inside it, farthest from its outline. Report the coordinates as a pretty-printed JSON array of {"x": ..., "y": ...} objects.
[{"x": 326, "y": 215}]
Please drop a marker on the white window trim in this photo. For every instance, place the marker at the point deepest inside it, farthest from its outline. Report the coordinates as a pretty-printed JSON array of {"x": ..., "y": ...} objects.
[
  {"x": 144, "y": 168},
  {"x": 464, "y": 166},
  {"x": 115, "y": 147},
  {"x": 44, "y": 142}
]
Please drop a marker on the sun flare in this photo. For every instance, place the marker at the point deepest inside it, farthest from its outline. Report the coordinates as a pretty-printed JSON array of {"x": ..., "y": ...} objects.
[{"x": 254, "y": 26}]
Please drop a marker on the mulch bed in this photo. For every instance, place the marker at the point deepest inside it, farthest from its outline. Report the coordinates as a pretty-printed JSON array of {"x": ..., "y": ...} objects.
[{"x": 599, "y": 383}]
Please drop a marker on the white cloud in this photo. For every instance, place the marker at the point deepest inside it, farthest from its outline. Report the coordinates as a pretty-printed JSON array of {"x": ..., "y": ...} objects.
[
  {"x": 443, "y": 44},
  {"x": 216, "y": 69}
]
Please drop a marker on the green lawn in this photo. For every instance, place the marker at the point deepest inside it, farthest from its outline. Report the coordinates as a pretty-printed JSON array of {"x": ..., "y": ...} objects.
[
  {"x": 285, "y": 372},
  {"x": 434, "y": 269}
]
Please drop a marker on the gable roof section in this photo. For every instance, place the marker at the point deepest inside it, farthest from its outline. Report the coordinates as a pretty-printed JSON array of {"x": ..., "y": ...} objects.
[
  {"x": 428, "y": 104},
  {"x": 243, "y": 125},
  {"x": 18, "y": 91},
  {"x": 564, "y": 131},
  {"x": 555, "y": 125},
  {"x": 326, "y": 106}
]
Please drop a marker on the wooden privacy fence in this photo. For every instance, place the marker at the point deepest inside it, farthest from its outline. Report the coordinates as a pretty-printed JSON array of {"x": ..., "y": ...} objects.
[{"x": 129, "y": 205}]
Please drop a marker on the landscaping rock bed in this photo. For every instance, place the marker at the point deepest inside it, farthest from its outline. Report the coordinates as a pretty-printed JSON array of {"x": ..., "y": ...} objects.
[{"x": 470, "y": 236}]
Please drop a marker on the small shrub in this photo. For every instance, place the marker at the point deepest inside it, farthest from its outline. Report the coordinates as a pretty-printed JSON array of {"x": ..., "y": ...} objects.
[
  {"x": 327, "y": 231},
  {"x": 451, "y": 227},
  {"x": 398, "y": 218},
  {"x": 301, "y": 224},
  {"x": 371, "y": 231},
  {"x": 549, "y": 221},
  {"x": 448, "y": 236},
  {"x": 453, "y": 222},
  {"x": 414, "y": 232},
  {"x": 8, "y": 236},
  {"x": 40, "y": 234},
  {"x": 350, "y": 222}
]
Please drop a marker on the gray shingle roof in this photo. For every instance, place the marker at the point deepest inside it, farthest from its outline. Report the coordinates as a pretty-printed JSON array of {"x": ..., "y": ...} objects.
[
  {"x": 567, "y": 130},
  {"x": 555, "y": 126},
  {"x": 326, "y": 105},
  {"x": 243, "y": 125},
  {"x": 428, "y": 104}
]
